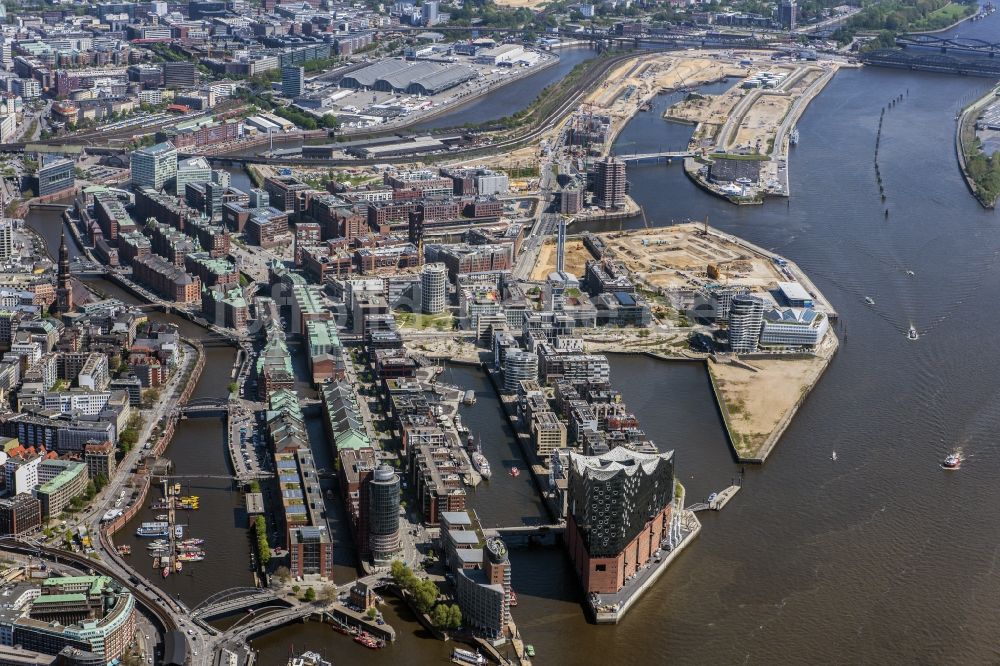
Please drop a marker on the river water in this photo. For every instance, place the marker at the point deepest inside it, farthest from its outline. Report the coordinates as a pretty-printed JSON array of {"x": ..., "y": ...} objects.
[{"x": 878, "y": 557}]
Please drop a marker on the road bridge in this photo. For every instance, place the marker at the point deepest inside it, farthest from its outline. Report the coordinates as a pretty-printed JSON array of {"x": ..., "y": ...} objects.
[
  {"x": 933, "y": 62},
  {"x": 58, "y": 207},
  {"x": 205, "y": 407},
  {"x": 232, "y": 600},
  {"x": 948, "y": 44}
]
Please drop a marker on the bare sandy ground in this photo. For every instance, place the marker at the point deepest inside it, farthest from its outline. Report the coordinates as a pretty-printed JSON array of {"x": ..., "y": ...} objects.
[
  {"x": 758, "y": 402},
  {"x": 576, "y": 257},
  {"x": 656, "y": 255}
]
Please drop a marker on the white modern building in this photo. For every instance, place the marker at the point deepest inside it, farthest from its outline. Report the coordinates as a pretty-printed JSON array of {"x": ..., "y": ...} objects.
[
  {"x": 519, "y": 365},
  {"x": 21, "y": 474},
  {"x": 89, "y": 403},
  {"x": 192, "y": 170},
  {"x": 746, "y": 316},
  {"x": 433, "y": 288},
  {"x": 155, "y": 166},
  {"x": 794, "y": 327},
  {"x": 6, "y": 239}
]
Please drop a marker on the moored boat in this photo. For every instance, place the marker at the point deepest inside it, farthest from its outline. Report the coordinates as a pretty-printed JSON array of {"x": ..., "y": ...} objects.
[
  {"x": 157, "y": 529},
  {"x": 460, "y": 656},
  {"x": 308, "y": 659},
  {"x": 481, "y": 464},
  {"x": 369, "y": 641},
  {"x": 515, "y": 472}
]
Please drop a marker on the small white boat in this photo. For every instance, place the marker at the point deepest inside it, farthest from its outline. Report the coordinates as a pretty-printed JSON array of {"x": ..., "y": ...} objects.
[
  {"x": 912, "y": 333},
  {"x": 833, "y": 456},
  {"x": 953, "y": 461},
  {"x": 869, "y": 300},
  {"x": 711, "y": 498}
]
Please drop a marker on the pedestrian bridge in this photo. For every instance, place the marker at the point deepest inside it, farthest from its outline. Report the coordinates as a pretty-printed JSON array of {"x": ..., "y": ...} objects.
[
  {"x": 655, "y": 158},
  {"x": 529, "y": 530}
]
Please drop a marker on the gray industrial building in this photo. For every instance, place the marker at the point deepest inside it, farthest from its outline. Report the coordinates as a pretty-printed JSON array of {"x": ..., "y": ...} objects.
[{"x": 414, "y": 78}]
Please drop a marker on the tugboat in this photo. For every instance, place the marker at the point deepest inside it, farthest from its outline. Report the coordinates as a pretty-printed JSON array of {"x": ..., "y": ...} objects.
[
  {"x": 912, "y": 333},
  {"x": 953, "y": 461}
]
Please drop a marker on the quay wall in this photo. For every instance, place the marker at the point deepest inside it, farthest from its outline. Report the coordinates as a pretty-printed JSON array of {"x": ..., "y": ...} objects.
[{"x": 614, "y": 617}]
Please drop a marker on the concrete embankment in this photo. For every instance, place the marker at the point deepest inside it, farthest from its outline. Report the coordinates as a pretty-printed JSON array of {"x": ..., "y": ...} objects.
[{"x": 965, "y": 134}]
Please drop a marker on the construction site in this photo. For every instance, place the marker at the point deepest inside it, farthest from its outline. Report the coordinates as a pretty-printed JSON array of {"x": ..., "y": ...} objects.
[
  {"x": 682, "y": 258},
  {"x": 577, "y": 256},
  {"x": 754, "y": 123}
]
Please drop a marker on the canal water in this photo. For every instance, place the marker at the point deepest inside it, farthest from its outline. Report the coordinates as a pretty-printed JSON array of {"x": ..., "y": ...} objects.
[
  {"x": 198, "y": 448},
  {"x": 880, "y": 556}
]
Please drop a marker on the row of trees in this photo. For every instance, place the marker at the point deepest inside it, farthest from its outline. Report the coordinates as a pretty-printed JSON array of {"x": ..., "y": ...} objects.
[
  {"x": 263, "y": 548},
  {"x": 305, "y": 120},
  {"x": 130, "y": 435},
  {"x": 984, "y": 170},
  {"x": 896, "y": 16},
  {"x": 424, "y": 593}
]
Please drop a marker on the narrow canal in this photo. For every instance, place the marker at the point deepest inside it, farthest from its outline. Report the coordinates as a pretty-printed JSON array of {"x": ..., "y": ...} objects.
[{"x": 198, "y": 448}]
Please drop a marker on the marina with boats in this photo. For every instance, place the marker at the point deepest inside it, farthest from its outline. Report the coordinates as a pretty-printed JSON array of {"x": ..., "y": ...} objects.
[{"x": 169, "y": 549}]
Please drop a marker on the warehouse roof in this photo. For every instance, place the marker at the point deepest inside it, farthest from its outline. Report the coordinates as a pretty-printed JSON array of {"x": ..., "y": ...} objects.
[{"x": 401, "y": 75}]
